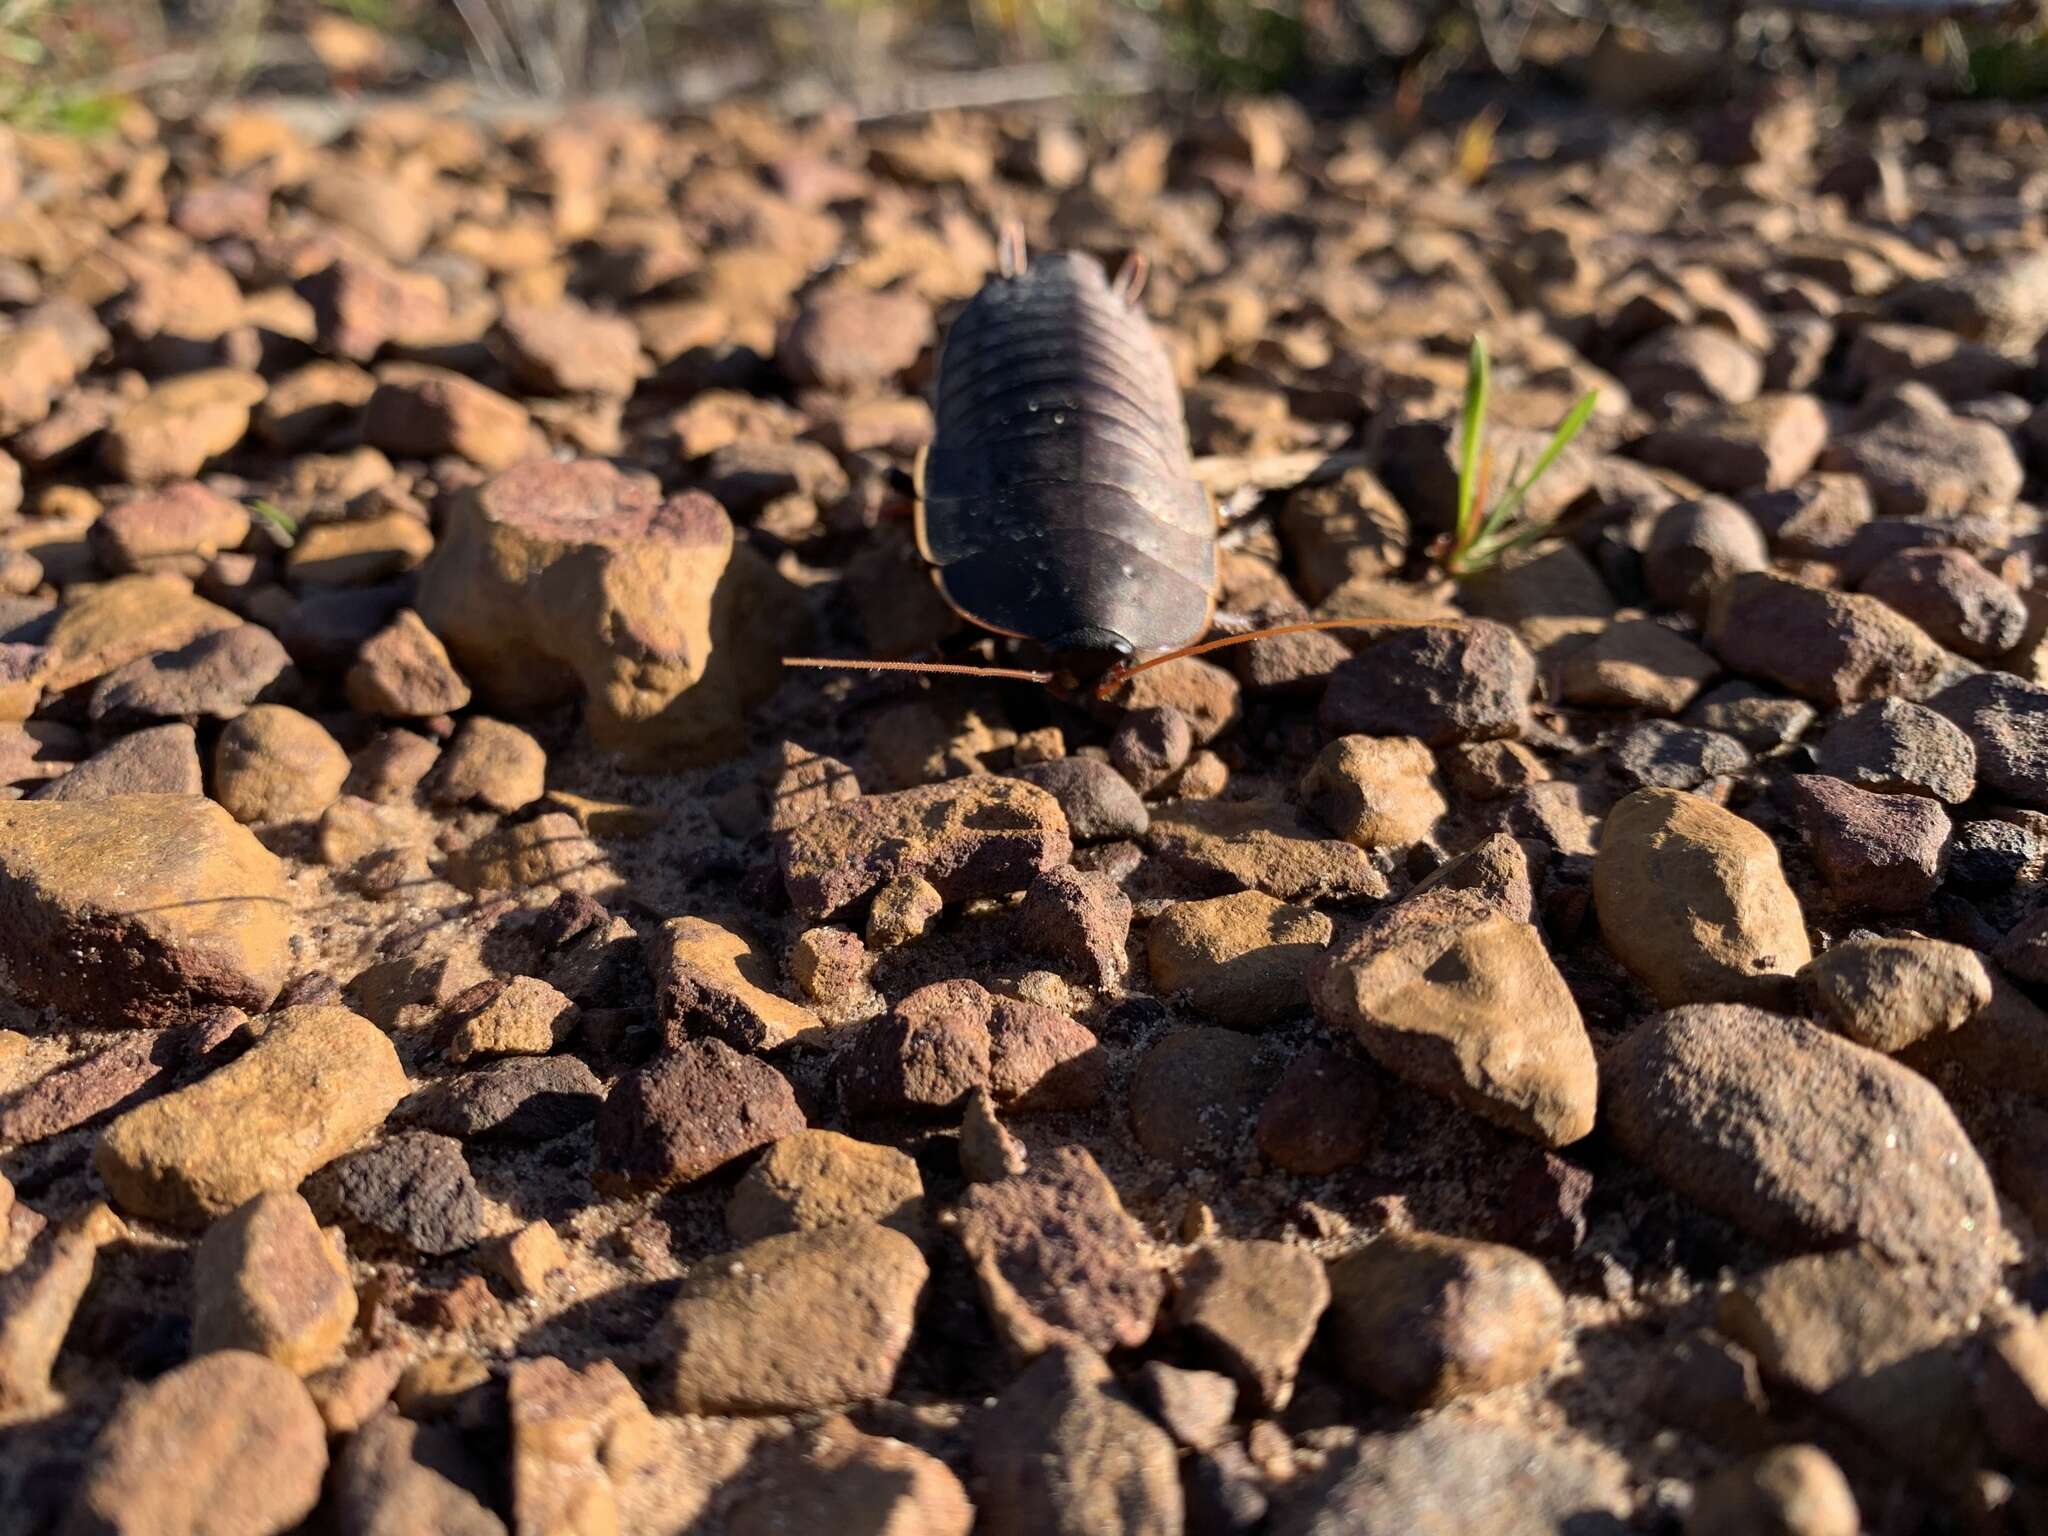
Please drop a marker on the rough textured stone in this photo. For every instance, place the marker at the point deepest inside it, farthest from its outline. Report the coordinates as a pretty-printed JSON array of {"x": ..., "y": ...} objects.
[
  {"x": 163, "y": 760},
  {"x": 267, "y": 1280},
  {"x": 38, "y": 1299},
  {"x": 1953, "y": 598},
  {"x": 215, "y": 677},
  {"x": 1077, "y": 919},
  {"x": 1920, "y": 458},
  {"x": 419, "y": 412},
  {"x": 1242, "y": 960},
  {"x": 1835, "y": 648},
  {"x": 834, "y": 1476},
  {"x": 1460, "y": 682},
  {"x": 822, "y": 1179},
  {"x": 812, "y": 1319},
  {"x": 689, "y": 1114},
  {"x": 1801, "y": 1138},
  {"x": 574, "y": 1432},
  {"x": 969, "y": 838},
  {"x": 522, "y": 1017},
  {"x": 394, "y": 1477},
  {"x": 318, "y": 1080},
  {"x": 2006, "y": 719},
  {"x": 1194, "y": 1094},
  {"x": 414, "y": 1189},
  {"x": 275, "y": 764},
  {"x": 527, "y": 1099},
  {"x": 1692, "y": 899},
  {"x": 552, "y": 849},
  {"x": 1259, "y": 845},
  {"x": 1792, "y": 1490},
  {"x": 1452, "y": 994},
  {"x": 711, "y": 981},
  {"x": 1254, "y": 1306},
  {"x": 1420, "y": 1319},
  {"x": 558, "y": 581},
  {"x": 492, "y": 764},
  {"x": 1892, "y": 993},
  {"x": 1637, "y": 664},
  {"x": 1375, "y": 791},
  {"x": 1878, "y": 851},
  {"x": 102, "y": 626},
  {"x": 1321, "y": 1116},
  {"x": 403, "y": 672},
  {"x": 1896, "y": 747},
  {"x": 227, "y": 1442}
]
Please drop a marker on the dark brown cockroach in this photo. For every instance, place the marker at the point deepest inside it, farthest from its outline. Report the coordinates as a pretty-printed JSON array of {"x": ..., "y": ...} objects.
[{"x": 1056, "y": 502}]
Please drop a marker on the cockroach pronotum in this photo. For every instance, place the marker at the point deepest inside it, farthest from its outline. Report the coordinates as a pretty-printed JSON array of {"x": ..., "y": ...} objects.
[{"x": 1057, "y": 502}]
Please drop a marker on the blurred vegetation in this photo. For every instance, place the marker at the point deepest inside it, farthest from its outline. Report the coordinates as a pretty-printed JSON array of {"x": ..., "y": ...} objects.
[{"x": 68, "y": 64}]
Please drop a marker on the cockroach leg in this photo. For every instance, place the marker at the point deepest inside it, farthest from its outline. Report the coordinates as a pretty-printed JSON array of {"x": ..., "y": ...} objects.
[
  {"x": 1130, "y": 278},
  {"x": 1011, "y": 257}
]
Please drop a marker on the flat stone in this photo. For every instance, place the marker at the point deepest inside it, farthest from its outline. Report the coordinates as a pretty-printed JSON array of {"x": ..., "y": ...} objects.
[
  {"x": 314, "y": 1085},
  {"x": 527, "y": 1099},
  {"x": 815, "y": 1319},
  {"x": 2006, "y": 719},
  {"x": 162, "y": 760},
  {"x": 1241, "y": 960},
  {"x": 1449, "y": 992},
  {"x": 102, "y": 626},
  {"x": 817, "y": 1179},
  {"x": 1260, "y": 845},
  {"x": 1801, "y": 1138}
]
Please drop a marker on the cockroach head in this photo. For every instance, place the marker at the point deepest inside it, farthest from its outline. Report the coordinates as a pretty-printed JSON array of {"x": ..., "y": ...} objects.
[{"x": 1082, "y": 657}]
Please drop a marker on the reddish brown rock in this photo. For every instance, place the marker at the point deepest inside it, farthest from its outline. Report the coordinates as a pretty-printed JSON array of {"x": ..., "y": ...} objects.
[{"x": 691, "y": 1113}]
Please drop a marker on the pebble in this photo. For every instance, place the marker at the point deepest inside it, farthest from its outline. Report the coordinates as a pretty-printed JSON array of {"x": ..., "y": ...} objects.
[
  {"x": 550, "y": 850},
  {"x": 1790, "y": 1490},
  {"x": 1502, "y": 870},
  {"x": 1448, "y": 992},
  {"x": 1894, "y": 746},
  {"x": 1953, "y": 598},
  {"x": 422, "y": 412},
  {"x": 1058, "y": 1259},
  {"x": 568, "y": 349},
  {"x": 1694, "y": 547},
  {"x": 988, "y": 1151},
  {"x": 162, "y": 760},
  {"x": 1692, "y": 360},
  {"x": 403, "y": 672},
  {"x": 359, "y": 551},
  {"x": 1833, "y": 648},
  {"x": 1466, "y": 682},
  {"x": 267, "y": 1280},
  {"x": 1322, "y": 1115},
  {"x": 215, "y": 677},
  {"x": 1260, "y": 845},
  {"x": 414, "y": 1189},
  {"x": 1640, "y": 665},
  {"x": 2006, "y": 719},
  {"x": 1241, "y": 960},
  {"x": 396, "y": 1477},
  {"x": 1375, "y": 791},
  {"x": 227, "y": 1442},
  {"x": 1193, "y": 1096},
  {"x": 40, "y": 1296},
  {"x": 1120, "y": 1471},
  {"x": 262, "y": 1122},
  {"x": 1693, "y": 901},
  {"x": 1671, "y": 756},
  {"x": 1888, "y": 994},
  {"x": 697, "y": 1109},
  {"x": 969, "y": 838},
  {"x": 525, "y": 1100},
  {"x": 846, "y": 338},
  {"x": 1921, "y": 459},
  {"x": 1079, "y": 920},
  {"x": 1420, "y": 1319},
  {"x": 924, "y": 1057},
  {"x": 173, "y": 530},
  {"x": 833, "y": 1475},
  {"x": 489, "y": 763},
  {"x": 1204, "y": 694},
  {"x": 1490, "y": 770},
  {"x": 901, "y": 912},
  {"x": 1195, "y": 1407},
  {"x": 1883, "y": 852},
  {"x": 711, "y": 981},
  {"x": 522, "y": 1017},
  {"x": 805, "y": 783},
  {"x": 1801, "y": 1138},
  {"x": 1148, "y": 747},
  {"x": 275, "y": 764},
  {"x": 574, "y": 1434},
  {"x": 1759, "y": 444},
  {"x": 1099, "y": 802},
  {"x": 528, "y": 1259},
  {"x": 816, "y": 1319},
  {"x": 105, "y": 625},
  {"x": 1253, "y": 1306},
  {"x": 815, "y": 1179},
  {"x": 1761, "y": 720}
]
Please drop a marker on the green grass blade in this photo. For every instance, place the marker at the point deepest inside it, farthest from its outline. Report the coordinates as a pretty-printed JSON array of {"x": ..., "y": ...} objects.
[
  {"x": 1473, "y": 428},
  {"x": 283, "y": 526},
  {"x": 1573, "y": 424}
]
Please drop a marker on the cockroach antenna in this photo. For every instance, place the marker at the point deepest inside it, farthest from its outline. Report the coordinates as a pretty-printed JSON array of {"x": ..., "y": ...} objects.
[
  {"x": 944, "y": 668},
  {"x": 1117, "y": 676}
]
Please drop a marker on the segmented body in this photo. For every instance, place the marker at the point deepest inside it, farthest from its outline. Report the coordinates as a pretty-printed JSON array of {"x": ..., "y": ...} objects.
[{"x": 1056, "y": 501}]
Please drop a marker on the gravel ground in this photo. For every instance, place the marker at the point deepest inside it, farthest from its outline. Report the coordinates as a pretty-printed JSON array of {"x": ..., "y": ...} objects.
[{"x": 485, "y": 1048}]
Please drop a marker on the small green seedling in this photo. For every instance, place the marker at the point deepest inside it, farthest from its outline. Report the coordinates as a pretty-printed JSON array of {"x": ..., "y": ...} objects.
[
  {"x": 283, "y": 526},
  {"x": 1483, "y": 535}
]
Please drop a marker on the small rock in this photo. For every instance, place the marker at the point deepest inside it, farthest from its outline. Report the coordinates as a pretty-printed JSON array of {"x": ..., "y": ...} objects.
[
  {"x": 930, "y": 1051},
  {"x": 1790, "y": 1490},
  {"x": 275, "y": 764},
  {"x": 1670, "y": 756},
  {"x": 1692, "y": 899},
  {"x": 1921, "y": 459},
  {"x": 1194, "y": 1094},
  {"x": 1763, "y": 443},
  {"x": 1241, "y": 960},
  {"x": 1098, "y": 801},
  {"x": 226, "y": 1442},
  {"x": 397, "y": 1477},
  {"x": 2013, "y": 1390},
  {"x": 1058, "y": 1259},
  {"x": 174, "y": 531},
  {"x": 1637, "y": 664},
  {"x": 902, "y": 910},
  {"x": 1692, "y": 360},
  {"x": 814, "y": 1319},
  {"x": 566, "y": 349},
  {"x": 1896, "y": 747},
  {"x": 1079, "y": 920},
  {"x": 1254, "y": 1306},
  {"x": 1878, "y": 851},
  {"x": 181, "y": 425},
  {"x": 1801, "y": 1138},
  {"x": 403, "y": 672},
  {"x": 215, "y": 677},
  {"x": 689, "y": 1114},
  {"x": 1953, "y": 598},
  {"x": 1466, "y": 682},
  {"x": 711, "y": 981},
  {"x": 266, "y": 1279},
  {"x": 831, "y": 966},
  {"x": 1321, "y": 1116},
  {"x": 815, "y": 1179},
  {"x": 573, "y": 1433},
  {"x": 834, "y": 1475},
  {"x": 968, "y": 838},
  {"x": 528, "y": 1099},
  {"x": 1761, "y": 720},
  {"x": 1375, "y": 791},
  {"x": 492, "y": 764},
  {"x": 527, "y": 1259},
  {"x": 1490, "y": 770},
  {"x": 418, "y": 412},
  {"x": 38, "y": 1299},
  {"x": 2006, "y": 719},
  {"x": 988, "y": 1151},
  {"x": 1120, "y": 1471},
  {"x": 1148, "y": 747},
  {"x": 158, "y": 905},
  {"x": 805, "y": 784},
  {"x": 1694, "y": 547},
  {"x": 163, "y": 760},
  {"x": 846, "y": 338},
  {"x": 523, "y": 1017},
  {"x": 1206, "y": 696},
  {"x": 414, "y": 1189},
  {"x": 1499, "y": 870},
  {"x": 106, "y": 624},
  {"x": 1449, "y": 992},
  {"x": 1835, "y": 648},
  {"x": 1891, "y": 993},
  {"x": 358, "y": 551},
  {"x": 1260, "y": 845},
  {"x": 1343, "y": 528},
  {"x": 1196, "y": 1407},
  {"x": 1421, "y": 1319}
]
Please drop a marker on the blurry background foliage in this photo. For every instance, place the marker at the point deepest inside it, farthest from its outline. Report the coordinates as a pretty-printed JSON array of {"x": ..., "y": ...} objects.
[{"x": 68, "y": 64}]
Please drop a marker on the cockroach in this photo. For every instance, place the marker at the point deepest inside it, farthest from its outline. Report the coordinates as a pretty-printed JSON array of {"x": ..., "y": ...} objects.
[{"x": 1057, "y": 501}]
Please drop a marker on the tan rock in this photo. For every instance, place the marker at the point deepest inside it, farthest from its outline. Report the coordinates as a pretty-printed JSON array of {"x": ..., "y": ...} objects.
[
  {"x": 1242, "y": 959},
  {"x": 100, "y": 627},
  {"x": 274, "y": 764},
  {"x": 404, "y": 672},
  {"x": 822, "y": 1179},
  {"x": 182, "y": 423},
  {"x": 527, "y": 1259},
  {"x": 572, "y": 1433},
  {"x": 710, "y": 980},
  {"x": 358, "y": 551},
  {"x": 266, "y": 1279},
  {"x": 834, "y": 1476},
  {"x": 317, "y": 1082},
  {"x": 1375, "y": 791},
  {"x": 138, "y": 909},
  {"x": 551, "y": 849},
  {"x": 175, "y": 531},
  {"x": 38, "y": 1299},
  {"x": 491, "y": 763},
  {"x": 420, "y": 412},
  {"x": 1692, "y": 899}
]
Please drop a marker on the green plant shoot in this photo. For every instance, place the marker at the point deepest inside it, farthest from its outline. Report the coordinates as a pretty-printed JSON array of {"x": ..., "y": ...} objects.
[
  {"x": 283, "y": 526},
  {"x": 1482, "y": 535}
]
